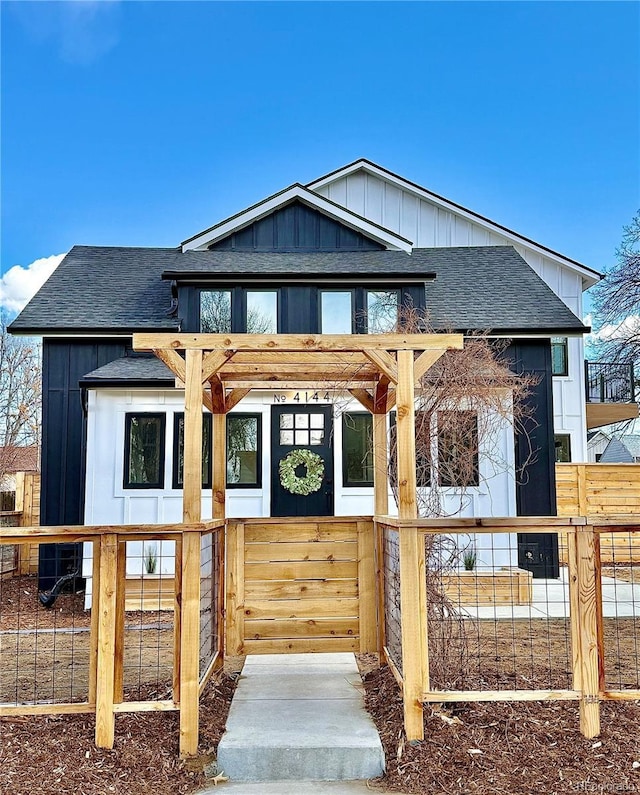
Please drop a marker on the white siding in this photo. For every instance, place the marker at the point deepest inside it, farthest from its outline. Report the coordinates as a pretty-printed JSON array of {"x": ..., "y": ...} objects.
[{"x": 427, "y": 225}]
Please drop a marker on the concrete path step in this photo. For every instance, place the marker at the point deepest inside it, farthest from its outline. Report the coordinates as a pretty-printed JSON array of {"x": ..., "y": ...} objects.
[
  {"x": 294, "y": 788},
  {"x": 300, "y": 717}
]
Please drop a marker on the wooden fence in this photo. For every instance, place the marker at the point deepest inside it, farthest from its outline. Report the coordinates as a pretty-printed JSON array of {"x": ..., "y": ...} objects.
[
  {"x": 196, "y": 629},
  {"x": 602, "y": 490},
  {"x": 26, "y": 513},
  {"x": 568, "y": 631}
]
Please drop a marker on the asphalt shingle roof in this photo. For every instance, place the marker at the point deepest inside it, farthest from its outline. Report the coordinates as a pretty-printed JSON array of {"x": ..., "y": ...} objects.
[
  {"x": 132, "y": 368},
  {"x": 109, "y": 289}
]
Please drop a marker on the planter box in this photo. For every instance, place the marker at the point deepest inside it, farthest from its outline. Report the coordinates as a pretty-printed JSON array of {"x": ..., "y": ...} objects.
[
  {"x": 149, "y": 592},
  {"x": 500, "y": 587}
]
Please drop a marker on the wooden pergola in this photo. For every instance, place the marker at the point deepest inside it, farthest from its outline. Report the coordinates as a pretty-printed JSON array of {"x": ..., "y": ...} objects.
[{"x": 380, "y": 371}]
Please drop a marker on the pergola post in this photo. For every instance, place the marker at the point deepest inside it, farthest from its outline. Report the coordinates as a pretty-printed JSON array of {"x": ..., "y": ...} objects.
[
  {"x": 219, "y": 464},
  {"x": 412, "y": 558},
  {"x": 191, "y": 512}
]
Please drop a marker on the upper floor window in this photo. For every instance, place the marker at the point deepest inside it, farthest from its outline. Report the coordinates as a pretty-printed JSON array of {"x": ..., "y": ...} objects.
[
  {"x": 559, "y": 356},
  {"x": 244, "y": 464},
  {"x": 215, "y": 311},
  {"x": 223, "y": 311},
  {"x": 381, "y": 311},
  {"x": 178, "y": 451},
  {"x": 336, "y": 312},
  {"x": 262, "y": 312},
  {"x": 144, "y": 451}
]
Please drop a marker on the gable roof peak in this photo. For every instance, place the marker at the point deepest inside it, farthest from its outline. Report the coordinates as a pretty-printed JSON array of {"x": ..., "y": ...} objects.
[
  {"x": 590, "y": 275},
  {"x": 297, "y": 191}
]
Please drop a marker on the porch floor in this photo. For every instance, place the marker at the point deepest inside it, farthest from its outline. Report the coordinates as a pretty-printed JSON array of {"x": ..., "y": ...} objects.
[{"x": 300, "y": 716}]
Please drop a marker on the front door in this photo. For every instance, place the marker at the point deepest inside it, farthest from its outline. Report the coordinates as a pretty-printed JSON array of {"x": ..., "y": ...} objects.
[{"x": 308, "y": 428}]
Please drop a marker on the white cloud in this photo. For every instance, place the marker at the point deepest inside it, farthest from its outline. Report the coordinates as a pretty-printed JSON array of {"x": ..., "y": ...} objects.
[
  {"x": 626, "y": 328},
  {"x": 19, "y": 285}
]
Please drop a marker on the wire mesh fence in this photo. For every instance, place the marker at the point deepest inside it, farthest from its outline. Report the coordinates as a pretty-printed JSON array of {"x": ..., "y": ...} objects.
[
  {"x": 211, "y": 574},
  {"x": 620, "y": 600},
  {"x": 44, "y": 650},
  {"x": 9, "y": 552},
  {"x": 391, "y": 585},
  {"x": 491, "y": 626},
  {"x": 147, "y": 620}
]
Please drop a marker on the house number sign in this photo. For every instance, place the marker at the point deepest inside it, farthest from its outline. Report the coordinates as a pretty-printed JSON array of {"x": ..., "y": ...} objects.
[{"x": 307, "y": 396}]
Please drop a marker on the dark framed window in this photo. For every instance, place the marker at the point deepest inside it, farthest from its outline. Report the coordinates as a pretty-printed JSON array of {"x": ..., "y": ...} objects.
[
  {"x": 238, "y": 310},
  {"x": 381, "y": 308},
  {"x": 423, "y": 447},
  {"x": 357, "y": 449},
  {"x": 178, "y": 451},
  {"x": 215, "y": 311},
  {"x": 559, "y": 356},
  {"x": 458, "y": 448},
  {"x": 336, "y": 311},
  {"x": 144, "y": 444},
  {"x": 563, "y": 448},
  {"x": 244, "y": 451},
  {"x": 262, "y": 311}
]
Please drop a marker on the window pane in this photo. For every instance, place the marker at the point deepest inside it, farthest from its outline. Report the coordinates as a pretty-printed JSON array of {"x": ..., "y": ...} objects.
[
  {"x": 178, "y": 464},
  {"x": 559, "y": 357},
  {"x": 262, "y": 312},
  {"x": 215, "y": 311},
  {"x": 144, "y": 464},
  {"x": 563, "y": 448},
  {"x": 243, "y": 449},
  {"x": 458, "y": 448},
  {"x": 357, "y": 449},
  {"x": 336, "y": 312},
  {"x": 382, "y": 311}
]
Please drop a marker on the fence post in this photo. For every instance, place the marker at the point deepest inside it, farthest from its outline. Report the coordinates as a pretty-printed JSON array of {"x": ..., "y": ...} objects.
[
  {"x": 414, "y": 640},
  {"x": 105, "y": 718},
  {"x": 190, "y": 644},
  {"x": 586, "y": 549},
  {"x": 95, "y": 622},
  {"x": 121, "y": 595}
]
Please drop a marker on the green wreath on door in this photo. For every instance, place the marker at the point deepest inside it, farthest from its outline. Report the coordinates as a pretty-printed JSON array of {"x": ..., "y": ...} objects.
[{"x": 308, "y": 484}]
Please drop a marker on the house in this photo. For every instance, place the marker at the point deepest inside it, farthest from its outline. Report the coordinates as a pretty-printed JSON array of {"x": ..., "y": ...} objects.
[
  {"x": 337, "y": 255},
  {"x": 15, "y": 459},
  {"x": 597, "y": 442},
  {"x": 624, "y": 449}
]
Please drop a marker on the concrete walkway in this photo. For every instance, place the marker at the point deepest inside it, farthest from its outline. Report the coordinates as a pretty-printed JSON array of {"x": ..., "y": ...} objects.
[{"x": 300, "y": 717}]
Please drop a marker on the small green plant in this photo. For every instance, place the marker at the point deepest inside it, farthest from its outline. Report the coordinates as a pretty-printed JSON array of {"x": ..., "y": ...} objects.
[
  {"x": 469, "y": 560},
  {"x": 151, "y": 559}
]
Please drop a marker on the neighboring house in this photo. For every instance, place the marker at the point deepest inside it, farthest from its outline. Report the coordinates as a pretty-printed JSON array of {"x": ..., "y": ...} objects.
[
  {"x": 339, "y": 255},
  {"x": 597, "y": 442},
  {"x": 14, "y": 460},
  {"x": 622, "y": 450}
]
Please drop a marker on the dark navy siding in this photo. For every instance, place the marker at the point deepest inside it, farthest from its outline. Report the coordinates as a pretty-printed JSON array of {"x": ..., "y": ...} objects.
[
  {"x": 63, "y": 424},
  {"x": 296, "y": 227},
  {"x": 535, "y": 458}
]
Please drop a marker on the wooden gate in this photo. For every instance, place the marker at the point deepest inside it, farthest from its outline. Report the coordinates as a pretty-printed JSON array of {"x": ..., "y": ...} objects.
[{"x": 300, "y": 585}]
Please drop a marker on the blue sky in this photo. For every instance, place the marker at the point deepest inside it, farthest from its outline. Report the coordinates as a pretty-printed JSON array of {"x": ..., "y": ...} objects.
[{"x": 141, "y": 123}]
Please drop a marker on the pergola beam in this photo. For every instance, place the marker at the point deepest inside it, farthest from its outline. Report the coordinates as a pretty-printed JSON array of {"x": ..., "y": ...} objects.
[{"x": 297, "y": 342}]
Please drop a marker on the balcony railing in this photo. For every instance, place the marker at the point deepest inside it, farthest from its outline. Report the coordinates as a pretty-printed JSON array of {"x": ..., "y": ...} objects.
[{"x": 610, "y": 382}]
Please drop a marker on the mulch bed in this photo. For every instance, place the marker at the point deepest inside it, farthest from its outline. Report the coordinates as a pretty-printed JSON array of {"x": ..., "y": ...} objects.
[
  {"x": 514, "y": 748},
  {"x": 56, "y": 755},
  {"x": 21, "y": 609}
]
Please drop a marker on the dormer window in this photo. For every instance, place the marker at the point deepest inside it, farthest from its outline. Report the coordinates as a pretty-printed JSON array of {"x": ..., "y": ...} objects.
[
  {"x": 238, "y": 310},
  {"x": 215, "y": 311}
]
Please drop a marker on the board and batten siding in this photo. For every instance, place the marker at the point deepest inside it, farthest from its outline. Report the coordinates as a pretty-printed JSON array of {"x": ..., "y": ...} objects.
[{"x": 428, "y": 225}]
